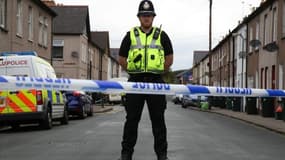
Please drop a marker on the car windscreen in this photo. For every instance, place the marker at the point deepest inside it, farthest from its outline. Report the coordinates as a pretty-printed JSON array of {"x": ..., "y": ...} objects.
[{"x": 72, "y": 97}]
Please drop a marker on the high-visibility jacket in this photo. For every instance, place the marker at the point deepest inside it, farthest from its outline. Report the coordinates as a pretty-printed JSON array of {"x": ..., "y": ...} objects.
[{"x": 146, "y": 54}]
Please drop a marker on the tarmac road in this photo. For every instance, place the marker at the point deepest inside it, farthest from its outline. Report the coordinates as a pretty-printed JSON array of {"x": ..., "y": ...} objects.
[{"x": 192, "y": 135}]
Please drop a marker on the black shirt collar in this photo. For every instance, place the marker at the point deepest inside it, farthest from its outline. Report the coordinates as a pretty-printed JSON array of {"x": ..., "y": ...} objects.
[{"x": 148, "y": 32}]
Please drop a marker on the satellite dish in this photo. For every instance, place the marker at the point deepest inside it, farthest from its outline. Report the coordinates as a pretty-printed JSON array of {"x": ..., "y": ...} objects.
[
  {"x": 271, "y": 47},
  {"x": 254, "y": 43}
]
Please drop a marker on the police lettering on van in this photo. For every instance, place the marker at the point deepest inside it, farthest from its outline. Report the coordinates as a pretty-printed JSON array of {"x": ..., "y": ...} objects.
[{"x": 13, "y": 63}]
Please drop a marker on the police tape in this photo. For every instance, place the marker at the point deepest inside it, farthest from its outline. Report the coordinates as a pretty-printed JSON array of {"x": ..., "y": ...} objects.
[{"x": 65, "y": 84}]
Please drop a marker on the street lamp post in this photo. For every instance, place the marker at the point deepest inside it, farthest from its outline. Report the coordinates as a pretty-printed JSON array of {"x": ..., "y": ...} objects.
[
  {"x": 210, "y": 47},
  {"x": 210, "y": 41}
]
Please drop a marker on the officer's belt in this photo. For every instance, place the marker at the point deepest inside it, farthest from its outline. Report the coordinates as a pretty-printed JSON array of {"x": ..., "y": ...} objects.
[{"x": 145, "y": 78}]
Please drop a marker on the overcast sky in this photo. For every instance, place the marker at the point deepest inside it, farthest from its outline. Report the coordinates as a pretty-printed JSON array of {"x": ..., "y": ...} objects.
[{"x": 185, "y": 21}]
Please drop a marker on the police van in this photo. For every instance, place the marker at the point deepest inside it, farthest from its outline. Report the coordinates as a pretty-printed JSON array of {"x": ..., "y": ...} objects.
[{"x": 29, "y": 106}]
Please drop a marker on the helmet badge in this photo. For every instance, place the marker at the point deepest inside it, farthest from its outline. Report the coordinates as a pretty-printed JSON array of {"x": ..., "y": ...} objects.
[{"x": 146, "y": 5}]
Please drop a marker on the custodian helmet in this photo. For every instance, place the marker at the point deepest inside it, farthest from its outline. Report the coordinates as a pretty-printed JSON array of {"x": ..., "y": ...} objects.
[{"x": 146, "y": 8}]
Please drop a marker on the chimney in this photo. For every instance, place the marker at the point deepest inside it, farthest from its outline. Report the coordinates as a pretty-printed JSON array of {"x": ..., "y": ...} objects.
[
  {"x": 49, "y": 3},
  {"x": 253, "y": 9},
  {"x": 262, "y": 1}
]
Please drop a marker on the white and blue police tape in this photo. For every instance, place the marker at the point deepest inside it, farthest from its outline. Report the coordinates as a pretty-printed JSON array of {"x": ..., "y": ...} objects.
[{"x": 16, "y": 83}]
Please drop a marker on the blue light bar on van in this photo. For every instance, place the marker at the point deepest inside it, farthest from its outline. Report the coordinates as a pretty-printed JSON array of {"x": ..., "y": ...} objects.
[{"x": 23, "y": 53}]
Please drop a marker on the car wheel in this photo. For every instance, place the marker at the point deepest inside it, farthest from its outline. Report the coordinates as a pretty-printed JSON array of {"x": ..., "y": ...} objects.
[
  {"x": 46, "y": 123},
  {"x": 64, "y": 119},
  {"x": 90, "y": 112},
  {"x": 83, "y": 113},
  {"x": 183, "y": 104}
]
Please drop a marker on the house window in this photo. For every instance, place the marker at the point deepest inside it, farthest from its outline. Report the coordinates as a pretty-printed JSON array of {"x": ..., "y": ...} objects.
[
  {"x": 283, "y": 20},
  {"x": 273, "y": 77},
  {"x": 3, "y": 8},
  {"x": 19, "y": 17},
  {"x": 91, "y": 54},
  {"x": 280, "y": 76},
  {"x": 274, "y": 25},
  {"x": 30, "y": 24},
  {"x": 250, "y": 37},
  {"x": 84, "y": 53},
  {"x": 57, "y": 49},
  {"x": 256, "y": 79},
  {"x": 41, "y": 29},
  {"x": 265, "y": 30},
  {"x": 265, "y": 77},
  {"x": 45, "y": 32},
  {"x": 257, "y": 32}
]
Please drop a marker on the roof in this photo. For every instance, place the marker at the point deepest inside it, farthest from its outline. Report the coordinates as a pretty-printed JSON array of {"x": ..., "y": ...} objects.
[
  {"x": 199, "y": 55},
  {"x": 246, "y": 20},
  {"x": 114, "y": 52},
  {"x": 260, "y": 9},
  {"x": 71, "y": 20},
  {"x": 45, "y": 7},
  {"x": 183, "y": 73},
  {"x": 101, "y": 38}
]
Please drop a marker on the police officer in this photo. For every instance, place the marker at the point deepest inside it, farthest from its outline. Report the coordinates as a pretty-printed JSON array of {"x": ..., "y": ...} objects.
[{"x": 146, "y": 52}]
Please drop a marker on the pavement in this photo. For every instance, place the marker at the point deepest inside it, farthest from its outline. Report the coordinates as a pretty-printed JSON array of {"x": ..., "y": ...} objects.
[
  {"x": 102, "y": 109},
  {"x": 269, "y": 123}
]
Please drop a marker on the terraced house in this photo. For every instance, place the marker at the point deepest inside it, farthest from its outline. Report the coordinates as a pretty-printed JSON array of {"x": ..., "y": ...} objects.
[
  {"x": 253, "y": 54},
  {"x": 26, "y": 25}
]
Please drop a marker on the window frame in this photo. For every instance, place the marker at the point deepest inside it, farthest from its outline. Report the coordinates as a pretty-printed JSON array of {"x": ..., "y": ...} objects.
[
  {"x": 84, "y": 52},
  {"x": 45, "y": 32},
  {"x": 19, "y": 18},
  {"x": 274, "y": 24},
  {"x": 3, "y": 10},
  {"x": 250, "y": 38},
  {"x": 30, "y": 23},
  {"x": 257, "y": 32},
  {"x": 57, "y": 44},
  {"x": 265, "y": 27},
  {"x": 283, "y": 20}
]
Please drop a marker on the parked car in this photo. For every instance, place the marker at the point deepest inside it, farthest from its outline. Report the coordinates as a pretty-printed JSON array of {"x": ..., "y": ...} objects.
[
  {"x": 114, "y": 98},
  {"x": 79, "y": 103},
  {"x": 177, "y": 98},
  {"x": 192, "y": 100}
]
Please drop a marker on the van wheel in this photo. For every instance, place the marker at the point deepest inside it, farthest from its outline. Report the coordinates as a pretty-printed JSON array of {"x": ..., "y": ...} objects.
[
  {"x": 15, "y": 126},
  {"x": 64, "y": 119},
  {"x": 183, "y": 106},
  {"x": 46, "y": 123}
]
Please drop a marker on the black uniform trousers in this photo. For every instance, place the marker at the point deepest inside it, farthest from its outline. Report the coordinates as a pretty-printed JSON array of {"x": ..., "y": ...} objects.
[{"x": 134, "y": 107}]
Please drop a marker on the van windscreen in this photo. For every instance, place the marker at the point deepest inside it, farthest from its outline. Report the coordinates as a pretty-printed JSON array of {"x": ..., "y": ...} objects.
[{"x": 18, "y": 71}]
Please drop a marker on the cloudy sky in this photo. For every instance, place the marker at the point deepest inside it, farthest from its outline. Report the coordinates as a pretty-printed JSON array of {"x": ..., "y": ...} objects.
[{"x": 185, "y": 21}]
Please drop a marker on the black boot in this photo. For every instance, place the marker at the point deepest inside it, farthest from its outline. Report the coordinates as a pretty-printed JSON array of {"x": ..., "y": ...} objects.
[
  {"x": 125, "y": 157},
  {"x": 162, "y": 157}
]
